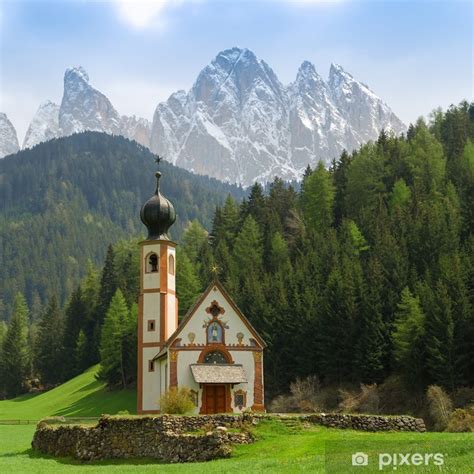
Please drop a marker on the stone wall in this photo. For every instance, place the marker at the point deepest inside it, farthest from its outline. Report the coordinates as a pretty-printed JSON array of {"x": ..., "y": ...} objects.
[
  {"x": 169, "y": 438},
  {"x": 186, "y": 438},
  {"x": 367, "y": 422}
]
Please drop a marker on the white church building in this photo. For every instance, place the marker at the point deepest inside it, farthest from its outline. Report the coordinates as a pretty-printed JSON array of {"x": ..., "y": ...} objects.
[{"x": 214, "y": 351}]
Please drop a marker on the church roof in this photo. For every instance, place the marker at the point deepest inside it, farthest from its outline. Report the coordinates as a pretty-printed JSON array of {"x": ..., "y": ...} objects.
[
  {"x": 195, "y": 307},
  {"x": 218, "y": 373}
]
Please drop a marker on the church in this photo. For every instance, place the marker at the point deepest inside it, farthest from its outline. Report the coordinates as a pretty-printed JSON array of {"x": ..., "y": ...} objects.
[{"x": 214, "y": 351}]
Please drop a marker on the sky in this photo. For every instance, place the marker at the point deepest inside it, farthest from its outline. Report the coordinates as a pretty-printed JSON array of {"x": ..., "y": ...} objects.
[{"x": 415, "y": 54}]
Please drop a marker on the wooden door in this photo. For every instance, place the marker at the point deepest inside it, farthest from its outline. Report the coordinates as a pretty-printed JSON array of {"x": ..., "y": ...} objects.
[{"x": 215, "y": 399}]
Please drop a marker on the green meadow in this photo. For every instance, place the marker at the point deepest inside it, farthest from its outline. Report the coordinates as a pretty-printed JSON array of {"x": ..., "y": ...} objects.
[{"x": 279, "y": 448}]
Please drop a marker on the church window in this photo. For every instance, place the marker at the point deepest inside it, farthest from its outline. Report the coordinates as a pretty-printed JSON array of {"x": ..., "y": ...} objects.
[
  {"x": 171, "y": 265},
  {"x": 152, "y": 263},
  {"x": 240, "y": 398},
  {"x": 151, "y": 325},
  {"x": 151, "y": 366},
  {"x": 215, "y": 357},
  {"x": 214, "y": 333}
]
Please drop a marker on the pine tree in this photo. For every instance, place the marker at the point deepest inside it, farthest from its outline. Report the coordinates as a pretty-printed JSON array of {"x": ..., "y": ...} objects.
[
  {"x": 187, "y": 282},
  {"x": 248, "y": 249},
  {"x": 317, "y": 199},
  {"x": 439, "y": 327},
  {"x": 112, "y": 342},
  {"x": 195, "y": 237},
  {"x": 109, "y": 282},
  {"x": 49, "y": 358},
  {"x": 409, "y": 338},
  {"x": 336, "y": 326},
  {"x": 14, "y": 357},
  {"x": 80, "y": 352},
  {"x": 75, "y": 322}
]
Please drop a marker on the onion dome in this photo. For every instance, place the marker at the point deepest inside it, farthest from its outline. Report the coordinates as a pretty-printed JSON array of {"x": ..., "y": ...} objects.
[{"x": 158, "y": 214}]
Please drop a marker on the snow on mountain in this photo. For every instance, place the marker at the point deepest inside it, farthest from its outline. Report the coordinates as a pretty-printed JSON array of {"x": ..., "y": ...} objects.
[
  {"x": 8, "y": 138},
  {"x": 238, "y": 123},
  {"x": 85, "y": 108},
  {"x": 136, "y": 128},
  {"x": 44, "y": 126},
  {"x": 231, "y": 124}
]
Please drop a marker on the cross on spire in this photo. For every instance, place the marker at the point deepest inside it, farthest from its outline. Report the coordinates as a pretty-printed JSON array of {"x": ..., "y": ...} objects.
[{"x": 158, "y": 160}]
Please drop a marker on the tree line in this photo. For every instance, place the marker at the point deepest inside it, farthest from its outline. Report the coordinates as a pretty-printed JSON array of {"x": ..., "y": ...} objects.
[{"x": 364, "y": 271}]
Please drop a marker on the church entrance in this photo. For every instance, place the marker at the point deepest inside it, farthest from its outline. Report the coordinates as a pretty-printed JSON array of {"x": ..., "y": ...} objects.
[{"x": 215, "y": 399}]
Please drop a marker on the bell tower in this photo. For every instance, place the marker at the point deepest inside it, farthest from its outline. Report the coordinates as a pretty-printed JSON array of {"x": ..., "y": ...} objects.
[{"x": 158, "y": 305}]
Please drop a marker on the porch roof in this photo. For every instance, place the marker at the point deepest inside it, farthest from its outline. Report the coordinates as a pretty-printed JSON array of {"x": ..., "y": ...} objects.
[{"x": 218, "y": 373}]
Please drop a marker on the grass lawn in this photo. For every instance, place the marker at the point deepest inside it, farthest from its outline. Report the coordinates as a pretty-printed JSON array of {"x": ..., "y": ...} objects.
[
  {"x": 278, "y": 449},
  {"x": 81, "y": 396}
]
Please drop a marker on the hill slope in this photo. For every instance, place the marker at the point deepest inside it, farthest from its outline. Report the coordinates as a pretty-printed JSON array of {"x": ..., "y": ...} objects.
[
  {"x": 81, "y": 396},
  {"x": 65, "y": 200}
]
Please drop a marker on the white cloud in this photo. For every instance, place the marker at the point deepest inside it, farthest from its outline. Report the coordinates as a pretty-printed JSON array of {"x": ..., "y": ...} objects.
[{"x": 141, "y": 14}]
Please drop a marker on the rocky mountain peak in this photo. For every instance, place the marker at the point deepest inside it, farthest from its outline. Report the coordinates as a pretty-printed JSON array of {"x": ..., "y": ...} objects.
[
  {"x": 75, "y": 74},
  {"x": 8, "y": 138}
]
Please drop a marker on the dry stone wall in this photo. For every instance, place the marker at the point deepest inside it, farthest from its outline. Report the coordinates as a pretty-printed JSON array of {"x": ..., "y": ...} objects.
[
  {"x": 185, "y": 438},
  {"x": 367, "y": 422},
  {"x": 171, "y": 439}
]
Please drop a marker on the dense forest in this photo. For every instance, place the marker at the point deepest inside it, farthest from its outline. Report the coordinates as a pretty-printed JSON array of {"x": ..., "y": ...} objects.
[
  {"x": 363, "y": 274},
  {"x": 65, "y": 200}
]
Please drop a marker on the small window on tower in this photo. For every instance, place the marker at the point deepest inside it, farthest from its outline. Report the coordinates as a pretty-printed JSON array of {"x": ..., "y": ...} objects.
[
  {"x": 151, "y": 366},
  {"x": 151, "y": 325},
  {"x": 152, "y": 263},
  {"x": 171, "y": 265}
]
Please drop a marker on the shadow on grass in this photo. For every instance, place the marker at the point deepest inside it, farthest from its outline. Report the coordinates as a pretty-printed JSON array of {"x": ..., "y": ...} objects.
[
  {"x": 100, "y": 402},
  {"x": 32, "y": 454}
]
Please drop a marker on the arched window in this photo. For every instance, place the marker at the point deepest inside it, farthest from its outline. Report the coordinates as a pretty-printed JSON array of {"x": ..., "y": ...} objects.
[
  {"x": 215, "y": 357},
  {"x": 171, "y": 265},
  {"x": 152, "y": 263},
  {"x": 215, "y": 333}
]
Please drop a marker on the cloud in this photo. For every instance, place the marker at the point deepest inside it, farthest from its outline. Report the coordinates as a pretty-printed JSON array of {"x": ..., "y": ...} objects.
[{"x": 141, "y": 14}]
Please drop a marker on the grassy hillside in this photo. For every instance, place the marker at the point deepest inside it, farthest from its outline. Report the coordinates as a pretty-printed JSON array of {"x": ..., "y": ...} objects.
[{"x": 80, "y": 396}]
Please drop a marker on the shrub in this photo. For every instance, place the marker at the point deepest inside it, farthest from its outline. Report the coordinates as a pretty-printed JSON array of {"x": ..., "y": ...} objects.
[
  {"x": 440, "y": 406},
  {"x": 177, "y": 401},
  {"x": 307, "y": 395},
  {"x": 283, "y": 404},
  {"x": 367, "y": 400},
  {"x": 461, "y": 420}
]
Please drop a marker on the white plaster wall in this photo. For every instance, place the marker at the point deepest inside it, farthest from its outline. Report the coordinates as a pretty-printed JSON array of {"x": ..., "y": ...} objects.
[
  {"x": 151, "y": 381},
  {"x": 151, "y": 310},
  {"x": 246, "y": 359},
  {"x": 185, "y": 377},
  {"x": 171, "y": 315},
  {"x": 195, "y": 324}
]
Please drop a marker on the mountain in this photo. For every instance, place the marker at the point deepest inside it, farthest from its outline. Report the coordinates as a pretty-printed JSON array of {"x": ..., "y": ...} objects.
[
  {"x": 238, "y": 122},
  {"x": 83, "y": 108},
  {"x": 44, "y": 126},
  {"x": 8, "y": 138},
  {"x": 65, "y": 200}
]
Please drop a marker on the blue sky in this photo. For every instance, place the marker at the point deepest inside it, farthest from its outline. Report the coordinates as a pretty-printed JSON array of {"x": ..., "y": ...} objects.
[{"x": 416, "y": 55}]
